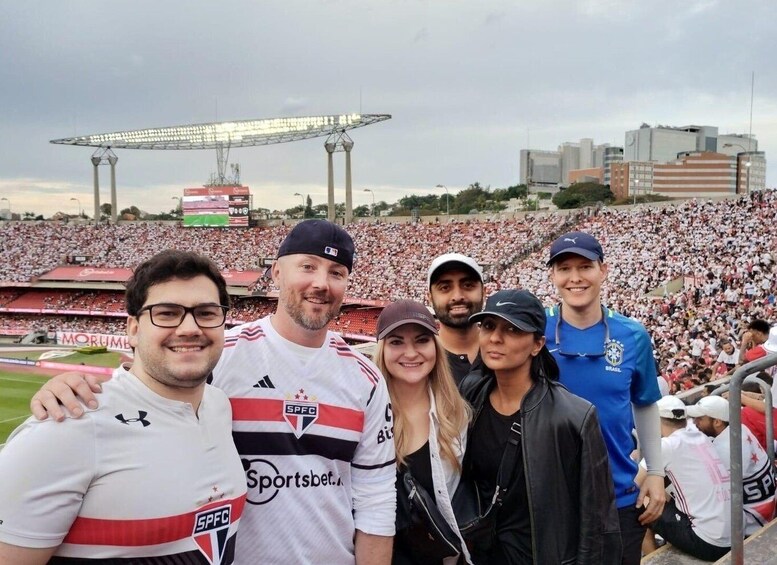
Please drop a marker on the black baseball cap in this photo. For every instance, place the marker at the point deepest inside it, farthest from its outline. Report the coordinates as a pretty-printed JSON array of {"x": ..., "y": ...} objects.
[
  {"x": 519, "y": 307},
  {"x": 405, "y": 312},
  {"x": 321, "y": 238},
  {"x": 578, "y": 243}
]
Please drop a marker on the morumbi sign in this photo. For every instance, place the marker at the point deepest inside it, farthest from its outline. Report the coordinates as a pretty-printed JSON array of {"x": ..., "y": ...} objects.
[{"x": 82, "y": 339}]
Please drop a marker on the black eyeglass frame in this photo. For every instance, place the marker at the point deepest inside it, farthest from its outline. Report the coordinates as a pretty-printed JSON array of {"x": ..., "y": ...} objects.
[
  {"x": 186, "y": 310},
  {"x": 592, "y": 355}
]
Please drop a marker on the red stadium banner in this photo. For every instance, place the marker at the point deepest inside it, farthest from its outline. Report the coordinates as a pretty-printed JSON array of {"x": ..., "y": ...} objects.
[
  {"x": 86, "y": 274},
  {"x": 241, "y": 278}
]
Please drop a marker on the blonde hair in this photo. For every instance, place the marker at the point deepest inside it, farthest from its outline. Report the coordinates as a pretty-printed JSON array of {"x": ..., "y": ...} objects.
[{"x": 453, "y": 412}]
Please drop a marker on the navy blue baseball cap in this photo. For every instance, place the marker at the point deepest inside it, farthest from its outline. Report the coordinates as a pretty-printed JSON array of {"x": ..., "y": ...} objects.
[
  {"x": 578, "y": 243},
  {"x": 321, "y": 238},
  {"x": 519, "y": 307}
]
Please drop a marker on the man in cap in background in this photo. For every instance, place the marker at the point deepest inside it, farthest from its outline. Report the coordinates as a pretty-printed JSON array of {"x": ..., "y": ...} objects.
[
  {"x": 710, "y": 414},
  {"x": 311, "y": 417},
  {"x": 607, "y": 359},
  {"x": 456, "y": 292},
  {"x": 696, "y": 518}
]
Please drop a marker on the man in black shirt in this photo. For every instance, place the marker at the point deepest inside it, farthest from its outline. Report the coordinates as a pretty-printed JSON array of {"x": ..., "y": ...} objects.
[{"x": 456, "y": 292}]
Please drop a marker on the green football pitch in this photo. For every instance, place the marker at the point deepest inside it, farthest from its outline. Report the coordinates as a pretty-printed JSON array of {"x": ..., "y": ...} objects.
[{"x": 17, "y": 389}]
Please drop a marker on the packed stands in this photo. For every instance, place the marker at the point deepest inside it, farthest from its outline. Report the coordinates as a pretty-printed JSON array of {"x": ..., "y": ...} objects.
[{"x": 693, "y": 272}]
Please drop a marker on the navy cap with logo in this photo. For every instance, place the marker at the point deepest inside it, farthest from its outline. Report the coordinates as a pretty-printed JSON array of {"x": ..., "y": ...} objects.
[
  {"x": 519, "y": 307},
  {"x": 405, "y": 312},
  {"x": 577, "y": 243},
  {"x": 321, "y": 238}
]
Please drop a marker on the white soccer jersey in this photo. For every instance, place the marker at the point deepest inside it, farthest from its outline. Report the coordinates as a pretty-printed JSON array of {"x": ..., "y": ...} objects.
[
  {"x": 142, "y": 476},
  {"x": 757, "y": 478},
  {"x": 316, "y": 439},
  {"x": 701, "y": 485}
]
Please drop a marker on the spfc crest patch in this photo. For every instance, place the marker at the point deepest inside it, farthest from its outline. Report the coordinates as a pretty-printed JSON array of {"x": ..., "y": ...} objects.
[
  {"x": 211, "y": 532},
  {"x": 300, "y": 415},
  {"x": 613, "y": 352}
]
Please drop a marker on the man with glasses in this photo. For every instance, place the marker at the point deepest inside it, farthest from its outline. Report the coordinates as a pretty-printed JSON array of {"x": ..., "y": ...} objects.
[
  {"x": 152, "y": 474},
  {"x": 607, "y": 359}
]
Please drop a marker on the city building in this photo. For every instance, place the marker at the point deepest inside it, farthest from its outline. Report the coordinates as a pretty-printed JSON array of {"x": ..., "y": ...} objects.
[
  {"x": 692, "y": 174},
  {"x": 546, "y": 171},
  {"x": 540, "y": 169}
]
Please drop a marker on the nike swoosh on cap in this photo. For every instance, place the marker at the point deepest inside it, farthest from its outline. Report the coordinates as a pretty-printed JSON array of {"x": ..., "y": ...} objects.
[{"x": 505, "y": 303}]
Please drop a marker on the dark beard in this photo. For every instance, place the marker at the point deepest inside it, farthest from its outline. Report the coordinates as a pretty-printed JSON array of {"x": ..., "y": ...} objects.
[{"x": 459, "y": 322}]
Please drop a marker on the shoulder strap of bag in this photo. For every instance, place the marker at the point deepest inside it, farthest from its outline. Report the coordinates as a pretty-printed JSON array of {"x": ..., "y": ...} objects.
[{"x": 507, "y": 464}]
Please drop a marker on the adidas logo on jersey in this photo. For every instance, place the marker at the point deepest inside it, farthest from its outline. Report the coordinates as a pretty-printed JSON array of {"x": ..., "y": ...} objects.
[{"x": 264, "y": 382}]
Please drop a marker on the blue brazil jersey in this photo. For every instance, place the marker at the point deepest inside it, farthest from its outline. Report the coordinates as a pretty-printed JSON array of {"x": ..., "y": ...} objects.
[{"x": 611, "y": 365}]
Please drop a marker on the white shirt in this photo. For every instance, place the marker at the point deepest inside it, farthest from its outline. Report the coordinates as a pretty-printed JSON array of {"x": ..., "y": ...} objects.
[
  {"x": 701, "y": 484},
  {"x": 757, "y": 478},
  {"x": 137, "y": 477},
  {"x": 445, "y": 478}
]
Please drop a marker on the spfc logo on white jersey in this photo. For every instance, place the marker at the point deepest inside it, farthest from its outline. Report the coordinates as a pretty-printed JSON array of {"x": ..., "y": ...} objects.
[
  {"x": 211, "y": 532},
  {"x": 300, "y": 414}
]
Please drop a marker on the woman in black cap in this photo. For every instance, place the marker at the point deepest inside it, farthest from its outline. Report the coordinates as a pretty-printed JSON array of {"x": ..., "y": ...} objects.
[
  {"x": 430, "y": 423},
  {"x": 536, "y": 446}
]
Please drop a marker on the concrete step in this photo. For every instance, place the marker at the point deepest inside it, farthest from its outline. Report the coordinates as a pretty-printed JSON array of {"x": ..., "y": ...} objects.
[{"x": 760, "y": 549}]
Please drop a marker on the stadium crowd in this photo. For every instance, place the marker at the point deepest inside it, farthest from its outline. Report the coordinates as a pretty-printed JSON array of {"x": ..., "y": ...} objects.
[{"x": 721, "y": 251}]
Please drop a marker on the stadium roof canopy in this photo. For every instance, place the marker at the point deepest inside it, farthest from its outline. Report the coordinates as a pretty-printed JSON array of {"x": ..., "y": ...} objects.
[{"x": 243, "y": 133}]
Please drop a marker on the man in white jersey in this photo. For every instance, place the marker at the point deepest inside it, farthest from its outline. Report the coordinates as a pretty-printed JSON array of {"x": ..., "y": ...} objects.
[
  {"x": 151, "y": 476},
  {"x": 697, "y": 515},
  {"x": 311, "y": 418},
  {"x": 710, "y": 414}
]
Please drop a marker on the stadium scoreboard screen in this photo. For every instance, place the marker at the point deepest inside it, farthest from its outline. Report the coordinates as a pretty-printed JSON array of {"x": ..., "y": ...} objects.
[{"x": 216, "y": 206}]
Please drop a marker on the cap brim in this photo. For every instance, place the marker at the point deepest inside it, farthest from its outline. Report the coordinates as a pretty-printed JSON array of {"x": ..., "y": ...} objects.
[
  {"x": 590, "y": 255},
  {"x": 401, "y": 323},
  {"x": 694, "y": 411},
  {"x": 523, "y": 326}
]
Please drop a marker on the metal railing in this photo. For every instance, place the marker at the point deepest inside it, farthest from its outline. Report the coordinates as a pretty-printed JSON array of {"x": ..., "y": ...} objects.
[
  {"x": 766, "y": 390},
  {"x": 735, "y": 425}
]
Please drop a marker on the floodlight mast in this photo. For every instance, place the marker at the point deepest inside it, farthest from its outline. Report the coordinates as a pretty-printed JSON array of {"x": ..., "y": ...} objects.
[{"x": 222, "y": 136}]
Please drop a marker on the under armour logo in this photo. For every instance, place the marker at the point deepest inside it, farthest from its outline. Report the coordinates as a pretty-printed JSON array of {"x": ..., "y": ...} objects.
[
  {"x": 571, "y": 239},
  {"x": 141, "y": 418}
]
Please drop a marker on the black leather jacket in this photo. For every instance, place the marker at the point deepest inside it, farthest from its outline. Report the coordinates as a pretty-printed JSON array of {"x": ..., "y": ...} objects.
[{"x": 570, "y": 492}]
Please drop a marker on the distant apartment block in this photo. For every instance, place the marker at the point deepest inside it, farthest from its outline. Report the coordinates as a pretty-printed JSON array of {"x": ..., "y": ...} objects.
[
  {"x": 693, "y": 174},
  {"x": 551, "y": 169}
]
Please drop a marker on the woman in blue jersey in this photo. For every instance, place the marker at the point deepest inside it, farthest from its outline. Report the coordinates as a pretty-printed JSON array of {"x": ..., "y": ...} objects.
[
  {"x": 539, "y": 443},
  {"x": 430, "y": 422}
]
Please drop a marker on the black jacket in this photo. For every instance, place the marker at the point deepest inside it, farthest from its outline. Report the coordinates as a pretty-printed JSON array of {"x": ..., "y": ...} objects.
[{"x": 570, "y": 492}]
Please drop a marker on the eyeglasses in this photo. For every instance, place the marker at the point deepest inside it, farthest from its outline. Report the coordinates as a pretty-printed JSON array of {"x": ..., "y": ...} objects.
[
  {"x": 172, "y": 315},
  {"x": 591, "y": 354}
]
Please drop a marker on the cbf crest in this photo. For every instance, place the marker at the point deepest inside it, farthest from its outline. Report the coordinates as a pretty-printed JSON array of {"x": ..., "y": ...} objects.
[
  {"x": 613, "y": 352},
  {"x": 300, "y": 412}
]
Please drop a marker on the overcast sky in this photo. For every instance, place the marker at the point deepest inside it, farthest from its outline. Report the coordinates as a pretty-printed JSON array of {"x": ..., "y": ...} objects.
[{"x": 469, "y": 84}]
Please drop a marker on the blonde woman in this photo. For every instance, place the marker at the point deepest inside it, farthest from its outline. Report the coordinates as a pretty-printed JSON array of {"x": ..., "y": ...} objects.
[{"x": 430, "y": 422}]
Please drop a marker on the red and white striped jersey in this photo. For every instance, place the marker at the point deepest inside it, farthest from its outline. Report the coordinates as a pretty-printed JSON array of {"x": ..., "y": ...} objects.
[
  {"x": 141, "y": 476},
  {"x": 315, "y": 432}
]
